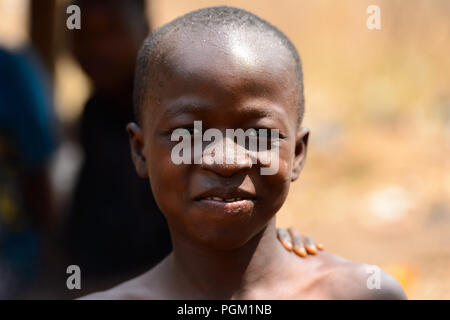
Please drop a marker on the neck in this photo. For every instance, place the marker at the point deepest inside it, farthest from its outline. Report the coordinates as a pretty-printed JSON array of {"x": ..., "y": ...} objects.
[{"x": 218, "y": 274}]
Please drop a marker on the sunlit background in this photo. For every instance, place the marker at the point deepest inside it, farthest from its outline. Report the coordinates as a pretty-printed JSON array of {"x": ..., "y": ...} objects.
[{"x": 376, "y": 185}]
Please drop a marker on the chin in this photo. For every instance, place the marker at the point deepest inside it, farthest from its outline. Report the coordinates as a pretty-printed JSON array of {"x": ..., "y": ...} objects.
[{"x": 225, "y": 238}]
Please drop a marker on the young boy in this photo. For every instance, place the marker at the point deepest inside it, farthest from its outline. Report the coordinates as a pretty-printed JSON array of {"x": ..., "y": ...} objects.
[{"x": 228, "y": 69}]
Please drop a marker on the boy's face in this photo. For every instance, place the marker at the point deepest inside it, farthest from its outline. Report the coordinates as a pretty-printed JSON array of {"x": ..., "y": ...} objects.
[{"x": 227, "y": 82}]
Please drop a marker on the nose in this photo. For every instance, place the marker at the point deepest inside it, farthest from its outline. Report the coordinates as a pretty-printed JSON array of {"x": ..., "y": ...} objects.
[{"x": 226, "y": 158}]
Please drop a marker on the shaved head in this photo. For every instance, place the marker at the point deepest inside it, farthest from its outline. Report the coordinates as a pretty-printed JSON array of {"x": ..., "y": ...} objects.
[{"x": 235, "y": 32}]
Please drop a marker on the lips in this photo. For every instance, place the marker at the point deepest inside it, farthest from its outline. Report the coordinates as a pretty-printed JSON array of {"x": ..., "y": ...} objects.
[
  {"x": 225, "y": 194},
  {"x": 227, "y": 202},
  {"x": 222, "y": 199}
]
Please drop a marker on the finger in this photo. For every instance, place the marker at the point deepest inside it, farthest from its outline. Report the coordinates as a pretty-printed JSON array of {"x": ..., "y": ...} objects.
[
  {"x": 320, "y": 246},
  {"x": 310, "y": 246},
  {"x": 297, "y": 241},
  {"x": 284, "y": 238}
]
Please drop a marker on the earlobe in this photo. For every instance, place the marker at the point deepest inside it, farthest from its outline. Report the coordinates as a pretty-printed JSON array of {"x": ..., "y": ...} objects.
[
  {"x": 137, "y": 149},
  {"x": 301, "y": 144}
]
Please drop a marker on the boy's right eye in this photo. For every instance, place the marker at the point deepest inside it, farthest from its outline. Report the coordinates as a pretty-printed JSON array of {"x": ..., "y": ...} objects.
[{"x": 192, "y": 130}]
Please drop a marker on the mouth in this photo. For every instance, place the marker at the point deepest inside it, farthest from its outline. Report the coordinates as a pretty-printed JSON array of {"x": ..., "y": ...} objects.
[
  {"x": 225, "y": 200},
  {"x": 236, "y": 203}
]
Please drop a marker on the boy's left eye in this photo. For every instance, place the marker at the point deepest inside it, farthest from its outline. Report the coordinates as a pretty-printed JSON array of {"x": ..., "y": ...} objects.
[
  {"x": 269, "y": 138},
  {"x": 269, "y": 134}
]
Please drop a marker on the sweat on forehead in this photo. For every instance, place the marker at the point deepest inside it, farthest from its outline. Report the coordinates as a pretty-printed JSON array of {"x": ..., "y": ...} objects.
[{"x": 225, "y": 23}]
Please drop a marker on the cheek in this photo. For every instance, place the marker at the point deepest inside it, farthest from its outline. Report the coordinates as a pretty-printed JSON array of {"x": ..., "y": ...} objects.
[
  {"x": 166, "y": 178},
  {"x": 280, "y": 182}
]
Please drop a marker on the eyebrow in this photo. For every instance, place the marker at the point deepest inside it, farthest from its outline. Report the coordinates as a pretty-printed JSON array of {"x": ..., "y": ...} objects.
[
  {"x": 186, "y": 108},
  {"x": 199, "y": 108}
]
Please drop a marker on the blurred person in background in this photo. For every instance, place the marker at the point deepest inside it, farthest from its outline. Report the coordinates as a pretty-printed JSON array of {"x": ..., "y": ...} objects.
[
  {"x": 113, "y": 222},
  {"x": 27, "y": 140}
]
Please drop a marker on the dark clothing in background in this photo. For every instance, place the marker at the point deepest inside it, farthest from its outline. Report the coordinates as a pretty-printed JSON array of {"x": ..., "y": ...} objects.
[
  {"x": 115, "y": 225},
  {"x": 27, "y": 140},
  {"x": 26, "y": 108}
]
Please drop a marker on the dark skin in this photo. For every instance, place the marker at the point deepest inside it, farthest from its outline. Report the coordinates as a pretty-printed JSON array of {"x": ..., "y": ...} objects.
[
  {"x": 105, "y": 27},
  {"x": 230, "y": 251}
]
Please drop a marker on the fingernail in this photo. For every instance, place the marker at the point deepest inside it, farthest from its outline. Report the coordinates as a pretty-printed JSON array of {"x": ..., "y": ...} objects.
[
  {"x": 288, "y": 245},
  {"x": 312, "y": 249},
  {"x": 301, "y": 252}
]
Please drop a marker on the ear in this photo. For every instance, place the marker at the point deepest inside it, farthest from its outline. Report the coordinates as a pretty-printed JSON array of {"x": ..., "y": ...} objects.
[
  {"x": 137, "y": 149},
  {"x": 301, "y": 144}
]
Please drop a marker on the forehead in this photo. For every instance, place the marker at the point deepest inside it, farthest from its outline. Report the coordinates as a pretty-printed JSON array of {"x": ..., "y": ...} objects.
[
  {"x": 225, "y": 65},
  {"x": 228, "y": 53}
]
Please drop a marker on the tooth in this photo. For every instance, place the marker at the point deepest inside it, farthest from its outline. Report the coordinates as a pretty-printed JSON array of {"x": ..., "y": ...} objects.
[
  {"x": 217, "y": 198},
  {"x": 230, "y": 200},
  {"x": 237, "y": 199}
]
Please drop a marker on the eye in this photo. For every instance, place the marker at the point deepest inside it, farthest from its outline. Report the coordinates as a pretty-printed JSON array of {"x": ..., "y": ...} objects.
[
  {"x": 191, "y": 130},
  {"x": 252, "y": 133},
  {"x": 255, "y": 132},
  {"x": 195, "y": 131},
  {"x": 266, "y": 137}
]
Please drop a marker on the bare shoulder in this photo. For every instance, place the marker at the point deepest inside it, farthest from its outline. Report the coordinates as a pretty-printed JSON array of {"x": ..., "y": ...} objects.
[
  {"x": 344, "y": 279},
  {"x": 129, "y": 290},
  {"x": 148, "y": 286}
]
